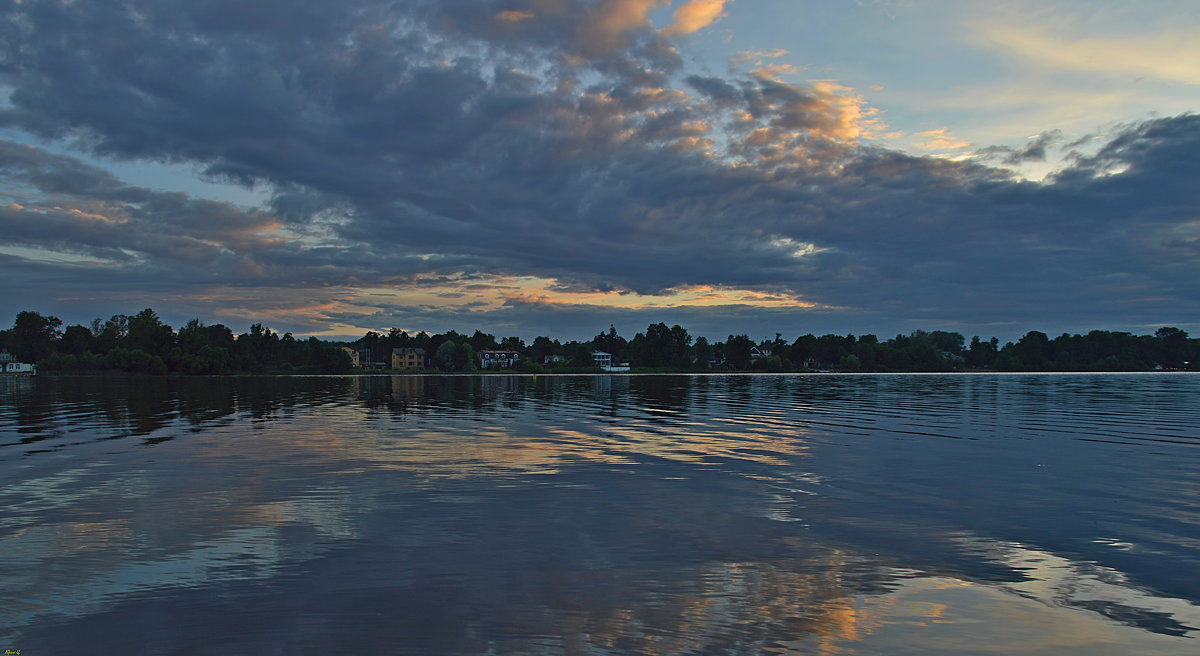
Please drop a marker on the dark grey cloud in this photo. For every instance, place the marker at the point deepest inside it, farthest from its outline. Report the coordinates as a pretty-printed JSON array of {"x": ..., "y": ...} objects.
[
  {"x": 1034, "y": 151},
  {"x": 414, "y": 141},
  {"x": 717, "y": 89},
  {"x": 75, "y": 208}
]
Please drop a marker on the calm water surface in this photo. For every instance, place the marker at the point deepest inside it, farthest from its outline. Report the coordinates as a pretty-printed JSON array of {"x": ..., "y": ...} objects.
[{"x": 962, "y": 514}]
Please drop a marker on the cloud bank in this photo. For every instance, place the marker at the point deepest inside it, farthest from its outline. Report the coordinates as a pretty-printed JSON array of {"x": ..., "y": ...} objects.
[{"x": 555, "y": 163}]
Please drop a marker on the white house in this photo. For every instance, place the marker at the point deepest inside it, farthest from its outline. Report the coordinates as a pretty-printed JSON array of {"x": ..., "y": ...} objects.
[
  {"x": 498, "y": 359},
  {"x": 20, "y": 368},
  {"x": 604, "y": 361}
]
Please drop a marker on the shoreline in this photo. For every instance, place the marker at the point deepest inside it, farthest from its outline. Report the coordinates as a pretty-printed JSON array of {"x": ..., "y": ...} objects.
[{"x": 509, "y": 373}]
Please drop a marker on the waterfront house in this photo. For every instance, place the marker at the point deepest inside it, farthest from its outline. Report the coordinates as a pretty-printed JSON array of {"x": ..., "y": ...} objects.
[
  {"x": 498, "y": 359},
  {"x": 354, "y": 360},
  {"x": 409, "y": 358},
  {"x": 604, "y": 361}
]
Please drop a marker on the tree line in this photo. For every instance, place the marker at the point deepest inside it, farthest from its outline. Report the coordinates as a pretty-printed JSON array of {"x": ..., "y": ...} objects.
[
  {"x": 662, "y": 348},
  {"x": 143, "y": 343}
]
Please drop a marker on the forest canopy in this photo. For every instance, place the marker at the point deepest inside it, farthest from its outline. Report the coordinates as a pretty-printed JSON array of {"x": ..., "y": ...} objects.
[{"x": 143, "y": 343}]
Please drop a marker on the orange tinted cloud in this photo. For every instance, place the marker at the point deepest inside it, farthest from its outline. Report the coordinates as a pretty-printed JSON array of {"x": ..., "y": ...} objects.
[
  {"x": 694, "y": 15},
  {"x": 514, "y": 16},
  {"x": 940, "y": 139},
  {"x": 607, "y": 24}
]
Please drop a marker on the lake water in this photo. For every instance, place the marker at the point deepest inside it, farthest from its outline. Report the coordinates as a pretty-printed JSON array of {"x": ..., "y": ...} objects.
[{"x": 822, "y": 514}]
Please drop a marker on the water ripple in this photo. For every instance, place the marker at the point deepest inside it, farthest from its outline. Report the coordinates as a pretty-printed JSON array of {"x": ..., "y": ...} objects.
[{"x": 603, "y": 514}]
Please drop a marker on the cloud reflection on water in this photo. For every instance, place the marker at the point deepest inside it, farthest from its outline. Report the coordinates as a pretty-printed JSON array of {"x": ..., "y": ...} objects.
[{"x": 570, "y": 515}]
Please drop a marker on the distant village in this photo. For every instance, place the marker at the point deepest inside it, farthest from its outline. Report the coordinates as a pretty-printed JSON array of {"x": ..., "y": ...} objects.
[
  {"x": 662, "y": 348},
  {"x": 143, "y": 343},
  {"x": 416, "y": 358},
  {"x": 411, "y": 357}
]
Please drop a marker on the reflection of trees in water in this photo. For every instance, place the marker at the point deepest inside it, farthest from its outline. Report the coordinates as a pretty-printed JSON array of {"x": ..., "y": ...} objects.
[
  {"x": 671, "y": 393},
  {"x": 372, "y": 391},
  {"x": 400, "y": 394},
  {"x": 431, "y": 394},
  {"x": 53, "y": 407},
  {"x": 263, "y": 397},
  {"x": 594, "y": 522},
  {"x": 108, "y": 407},
  {"x": 122, "y": 406},
  {"x": 485, "y": 393}
]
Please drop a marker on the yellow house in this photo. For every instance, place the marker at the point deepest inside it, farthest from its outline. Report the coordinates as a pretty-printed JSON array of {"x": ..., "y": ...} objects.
[{"x": 409, "y": 358}]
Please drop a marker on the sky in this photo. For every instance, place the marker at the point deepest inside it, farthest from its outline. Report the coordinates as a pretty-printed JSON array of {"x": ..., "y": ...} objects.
[{"x": 553, "y": 167}]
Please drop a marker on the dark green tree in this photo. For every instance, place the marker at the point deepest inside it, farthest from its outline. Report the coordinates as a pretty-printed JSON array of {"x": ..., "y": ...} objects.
[
  {"x": 76, "y": 340},
  {"x": 258, "y": 350},
  {"x": 982, "y": 355},
  {"x": 110, "y": 334},
  {"x": 376, "y": 347},
  {"x": 581, "y": 354},
  {"x": 482, "y": 341},
  {"x": 1173, "y": 347},
  {"x": 866, "y": 349},
  {"x": 455, "y": 356},
  {"x": 803, "y": 351},
  {"x": 33, "y": 336},
  {"x": 613, "y": 344},
  {"x": 1032, "y": 352},
  {"x": 513, "y": 344},
  {"x": 661, "y": 347},
  {"x": 947, "y": 342},
  {"x": 542, "y": 348},
  {"x": 830, "y": 349},
  {"x": 148, "y": 333},
  {"x": 703, "y": 352},
  {"x": 737, "y": 351}
]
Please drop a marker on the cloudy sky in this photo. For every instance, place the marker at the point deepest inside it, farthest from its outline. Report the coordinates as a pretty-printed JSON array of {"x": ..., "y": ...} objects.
[{"x": 553, "y": 166}]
